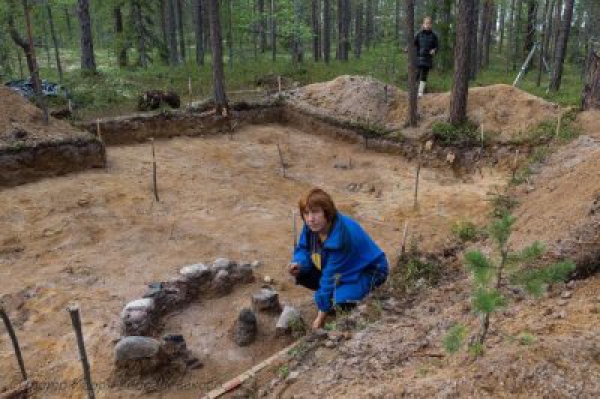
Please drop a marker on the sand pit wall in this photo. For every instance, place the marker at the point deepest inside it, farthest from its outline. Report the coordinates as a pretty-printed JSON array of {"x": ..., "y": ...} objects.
[
  {"x": 24, "y": 164},
  {"x": 140, "y": 128}
]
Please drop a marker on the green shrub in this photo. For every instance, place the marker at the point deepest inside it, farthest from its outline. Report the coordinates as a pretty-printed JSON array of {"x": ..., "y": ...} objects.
[{"x": 465, "y": 230}]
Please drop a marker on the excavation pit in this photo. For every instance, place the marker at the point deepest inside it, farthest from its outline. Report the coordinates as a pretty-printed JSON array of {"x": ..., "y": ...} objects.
[{"x": 99, "y": 238}]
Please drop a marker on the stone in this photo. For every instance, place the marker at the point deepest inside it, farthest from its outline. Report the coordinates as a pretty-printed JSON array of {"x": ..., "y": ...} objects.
[
  {"x": 223, "y": 264},
  {"x": 136, "y": 347},
  {"x": 138, "y": 317},
  {"x": 268, "y": 280},
  {"x": 293, "y": 376},
  {"x": 566, "y": 294},
  {"x": 141, "y": 304},
  {"x": 562, "y": 302},
  {"x": 177, "y": 292},
  {"x": 174, "y": 346},
  {"x": 195, "y": 272},
  {"x": 289, "y": 321},
  {"x": 243, "y": 274},
  {"x": 245, "y": 328},
  {"x": 256, "y": 264},
  {"x": 571, "y": 284},
  {"x": 221, "y": 283},
  {"x": 547, "y": 312},
  {"x": 330, "y": 344},
  {"x": 561, "y": 315},
  {"x": 266, "y": 299}
]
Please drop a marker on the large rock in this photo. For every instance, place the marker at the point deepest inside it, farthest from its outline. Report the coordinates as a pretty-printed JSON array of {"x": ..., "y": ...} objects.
[
  {"x": 177, "y": 292},
  {"x": 242, "y": 274},
  {"x": 136, "y": 347},
  {"x": 245, "y": 328},
  {"x": 290, "y": 321},
  {"x": 266, "y": 300},
  {"x": 223, "y": 264},
  {"x": 196, "y": 273},
  {"x": 221, "y": 283},
  {"x": 138, "y": 317}
]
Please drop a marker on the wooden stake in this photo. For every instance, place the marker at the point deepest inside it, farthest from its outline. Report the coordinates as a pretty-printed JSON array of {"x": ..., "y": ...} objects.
[
  {"x": 416, "y": 202},
  {"x": 190, "y": 91},
  {"x": 154, "y": 178},
  {"x": 76, "y": 320},
  {"x": 98, "y": 132},
  {"x": 558, "y": 123},
  {"x": 482, "y": 139},
  {"x": 403, "y": 246},
  {"x": 515, "y": 163},
  {"x": 294, "y": 230},
  {"x": 15, "y": 342},
  {"x": 279, "y": 84},
  {"x": 281, "y": 161}
]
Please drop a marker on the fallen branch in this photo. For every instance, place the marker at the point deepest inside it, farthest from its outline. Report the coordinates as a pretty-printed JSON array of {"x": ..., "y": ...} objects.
[{"x": 154, "y": 178}]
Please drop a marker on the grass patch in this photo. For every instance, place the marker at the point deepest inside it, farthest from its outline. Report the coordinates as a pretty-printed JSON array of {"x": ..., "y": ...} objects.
[
  {"x": 465, "y": 135},
  {"x": 465, "y": 230}
]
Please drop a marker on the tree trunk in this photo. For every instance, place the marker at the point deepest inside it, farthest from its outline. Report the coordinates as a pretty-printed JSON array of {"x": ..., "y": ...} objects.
[
  {"x": 397, "y": 21},
  {"x": 339, "y": 21},
  {"x": 297, "y": 49},
  {"x": 326, "y": 30},
  {"x": 172, "y": 33},
  {"x": 122, "y": 51},
  {"x": 473, "y": 37},
  {"x": 199, "y": 31},
  {"x": 229, "y": 35},
  {"x": 221, "y": 102},
  {"x": 544, "y": 33},
  {"x": 140, "y": 32},
  {"x": 68, "y": 19},
  {"x": 316, "y": 29},
  {"x": 412, "y": 63},
  {"x": 346, "y": 22},
  {"x": 88, "y": 60},
  {"x": 181, "y": 29},
  {"x": 262, "y": 26},
  {"x": 358, "y": 31},
  {"x": 460, "y": 86},
  {"x": 444, "y": 52},
  {"x": 55, "y": 42},
  {"x": 590, "y": 97},
  {"x": 370, "y": 24},
  {"x": 556, "y": 24},
  {"x": 502, "y": 12},
  {"x": 561, "y": 46},
  {"x": 274, "y": 32},
  {"x": 531, "y": 21},
  {"x": 517, "y": 55}
]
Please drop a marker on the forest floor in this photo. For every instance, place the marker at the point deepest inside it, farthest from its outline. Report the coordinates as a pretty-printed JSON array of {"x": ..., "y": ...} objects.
[{"x": 97, "y": 238}]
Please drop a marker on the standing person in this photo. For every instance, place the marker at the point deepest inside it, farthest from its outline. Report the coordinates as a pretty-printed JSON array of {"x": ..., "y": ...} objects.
[
  {"x": 426, "y": 42},
  {"x": 334, "y": 257}
]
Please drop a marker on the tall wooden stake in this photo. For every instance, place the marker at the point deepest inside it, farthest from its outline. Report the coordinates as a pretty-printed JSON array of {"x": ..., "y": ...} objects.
[
  {"x": 76, "y": 320},
  {"x": 98, "y": 132},
  {"x": 416, "y": 202},
  {"x": 15, "y": 342},
  {"x": 294, "y": 229},
  {"x": 403, "y": 247},
  {"x": 281, "y": 161},
  {"x": 154, "y": 179},
  {"x": 190, "y": 91},
  {"x": 558, "y": 123}
]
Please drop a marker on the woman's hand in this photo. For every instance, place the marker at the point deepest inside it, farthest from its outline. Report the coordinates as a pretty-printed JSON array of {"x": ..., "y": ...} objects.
[
  {"x": 319, "y": 321},
  {"x": 294, "y": 269}
]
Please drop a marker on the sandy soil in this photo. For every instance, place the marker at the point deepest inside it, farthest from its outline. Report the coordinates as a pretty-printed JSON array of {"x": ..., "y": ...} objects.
[
  {"x": 96, "y": 238},
  {"x": 501, "y": 108},
  {"x": 21, "y": 123}
]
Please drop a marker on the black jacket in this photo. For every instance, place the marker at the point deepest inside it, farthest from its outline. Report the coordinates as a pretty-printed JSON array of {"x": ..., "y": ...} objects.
[{"x": 425, "y": 41}]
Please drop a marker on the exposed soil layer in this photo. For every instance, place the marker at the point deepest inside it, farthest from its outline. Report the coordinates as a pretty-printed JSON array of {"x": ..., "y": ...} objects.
[
  {"x": 30, "y": 149},
  {"x": 97, "y": 237}
]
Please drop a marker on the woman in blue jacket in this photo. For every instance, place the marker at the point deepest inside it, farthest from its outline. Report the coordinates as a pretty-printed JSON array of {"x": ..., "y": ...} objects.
[{"x": 334, "y": 257}]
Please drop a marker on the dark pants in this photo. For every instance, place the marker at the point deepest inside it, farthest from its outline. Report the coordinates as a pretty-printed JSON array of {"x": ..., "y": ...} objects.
[
  {"x": 346, "y": 295},
  {"x": 422, "y": 73}
]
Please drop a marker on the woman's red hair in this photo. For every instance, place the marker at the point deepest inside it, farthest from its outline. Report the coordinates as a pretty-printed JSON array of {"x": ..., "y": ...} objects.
[{"x": 318, "y": 198}]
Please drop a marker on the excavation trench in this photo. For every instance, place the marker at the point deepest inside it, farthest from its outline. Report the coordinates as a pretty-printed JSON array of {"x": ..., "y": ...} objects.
[{"x": 98, "y": 237}]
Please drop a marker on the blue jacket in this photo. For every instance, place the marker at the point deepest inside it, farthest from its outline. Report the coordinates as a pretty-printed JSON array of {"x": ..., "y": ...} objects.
[{"x": 346, "y": 253}]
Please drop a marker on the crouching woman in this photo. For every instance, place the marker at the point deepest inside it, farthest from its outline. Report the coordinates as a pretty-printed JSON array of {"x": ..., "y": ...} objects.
[{"x": 334, "y": 257}]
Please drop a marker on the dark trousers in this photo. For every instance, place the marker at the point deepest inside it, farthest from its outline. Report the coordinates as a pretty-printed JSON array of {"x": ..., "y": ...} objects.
[
  {"x": 422, "y": 73},
  {"x": 367, "y": 281}
]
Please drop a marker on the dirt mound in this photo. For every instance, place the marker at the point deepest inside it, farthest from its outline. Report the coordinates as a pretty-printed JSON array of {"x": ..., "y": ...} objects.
[
  {"x": 589, "y": 122},
  {"x": 500, "y": 108},
  {"x": 21, "y": 123},
  {"x": 560, "y": 205},
  {"x": 356, "y": 98}
]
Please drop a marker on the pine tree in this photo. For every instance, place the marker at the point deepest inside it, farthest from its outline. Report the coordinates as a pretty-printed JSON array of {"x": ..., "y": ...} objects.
[{"x": 489, "y": 273}]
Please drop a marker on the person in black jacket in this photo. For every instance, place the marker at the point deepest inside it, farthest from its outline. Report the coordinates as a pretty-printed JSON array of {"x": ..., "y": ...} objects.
[{"x": 426, "y": 42}]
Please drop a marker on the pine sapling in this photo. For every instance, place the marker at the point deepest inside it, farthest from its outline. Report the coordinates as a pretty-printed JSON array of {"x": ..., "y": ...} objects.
[{"x": 488, "y": 274}]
